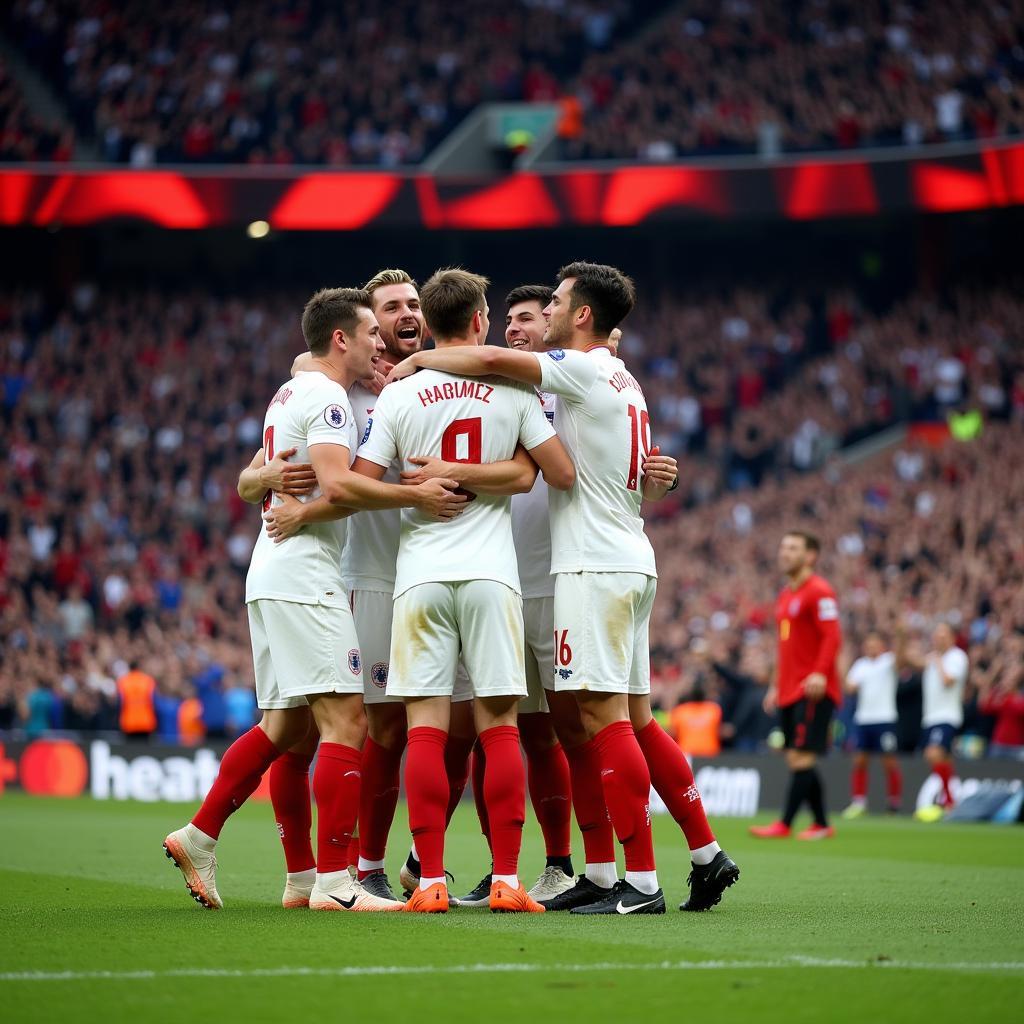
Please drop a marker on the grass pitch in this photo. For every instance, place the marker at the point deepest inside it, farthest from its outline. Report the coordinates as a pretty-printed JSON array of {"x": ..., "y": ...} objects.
[{"x": 891, "y": 921}]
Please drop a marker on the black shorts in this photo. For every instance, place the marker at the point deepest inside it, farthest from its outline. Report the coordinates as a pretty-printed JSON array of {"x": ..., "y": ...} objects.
[{"x": 805, "y": 724}]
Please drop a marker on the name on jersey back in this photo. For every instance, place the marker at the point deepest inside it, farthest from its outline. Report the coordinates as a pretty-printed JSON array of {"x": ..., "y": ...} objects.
[{"x": 452, "y": 389}]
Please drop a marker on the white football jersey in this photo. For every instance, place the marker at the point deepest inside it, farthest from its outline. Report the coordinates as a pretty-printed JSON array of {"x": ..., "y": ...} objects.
[
  {"x": 371, "y": 546},
  {"x": 309, "y": 409},
  {"x": 459, "y": 420},
  {"x": 875, "y": 679},
  {"x": 944, "y": 705},
  {"x": 531, "y": 530},
  {"x": 601, "y": 416}
]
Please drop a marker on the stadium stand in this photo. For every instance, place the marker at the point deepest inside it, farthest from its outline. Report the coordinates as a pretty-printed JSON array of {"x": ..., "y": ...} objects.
[
  {"x": 314, "y": 83},
  {"x": 124, "y": 543},
  {"x": 23, "y": 135},
  {"x": 319, "y": 83}
]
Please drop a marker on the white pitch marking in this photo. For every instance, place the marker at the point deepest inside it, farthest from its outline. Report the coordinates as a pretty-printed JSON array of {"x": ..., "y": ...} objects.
[{"x": 547, "y": 968}]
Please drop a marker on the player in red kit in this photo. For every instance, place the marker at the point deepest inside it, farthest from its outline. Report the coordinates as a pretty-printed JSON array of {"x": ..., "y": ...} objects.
[{"x": 806, "y": 689}]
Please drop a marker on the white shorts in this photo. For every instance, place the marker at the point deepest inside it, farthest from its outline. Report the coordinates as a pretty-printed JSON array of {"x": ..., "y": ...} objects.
[
  {"x": 301, "y": 650},
  {"x": 601, "y": 631},
  {"x": 373, "y": 613},
  {"x": 539, "y": 618},
  {"x": 435, "y": 622}
]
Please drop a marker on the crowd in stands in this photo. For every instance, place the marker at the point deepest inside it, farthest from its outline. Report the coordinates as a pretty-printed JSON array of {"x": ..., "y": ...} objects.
[
  {"x": 123, "y": 543},
  {"x": 320, "y": 83},
  {"x": 913, "y": 536},
  {"x": 311, "y": 82},
  {"x": 23, "y": 135},
  {"x": 745, "y": 76}
]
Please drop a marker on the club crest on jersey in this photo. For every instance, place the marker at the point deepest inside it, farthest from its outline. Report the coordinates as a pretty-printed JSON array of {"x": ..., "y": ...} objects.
[
  {"x": 564, "y": 673},
  {"x": 334, "y": 416},
  {"x": 794, "y": 607},
  {"x": 355, "y": 663},
  {"x": 558, "y": 354},
  {"x": 366, "y": 432},
  {"x": 379, "y": 674}
]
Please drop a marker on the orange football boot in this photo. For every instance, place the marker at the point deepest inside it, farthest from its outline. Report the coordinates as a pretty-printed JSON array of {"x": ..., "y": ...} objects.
[
  {"x": 506, "y": 900},
  {"x": 428, "y": 901}
]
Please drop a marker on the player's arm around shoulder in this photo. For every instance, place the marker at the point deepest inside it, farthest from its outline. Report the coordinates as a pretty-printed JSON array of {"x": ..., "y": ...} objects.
[{"x": 473, "y": 361}]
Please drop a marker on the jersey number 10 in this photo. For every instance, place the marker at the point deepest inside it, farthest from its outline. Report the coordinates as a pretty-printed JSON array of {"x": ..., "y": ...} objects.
[{"x": 639, "y": 440}]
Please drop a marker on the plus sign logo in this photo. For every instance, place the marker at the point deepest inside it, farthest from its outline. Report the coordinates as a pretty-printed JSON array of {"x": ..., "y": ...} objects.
[{"x": 8, "y": 769}]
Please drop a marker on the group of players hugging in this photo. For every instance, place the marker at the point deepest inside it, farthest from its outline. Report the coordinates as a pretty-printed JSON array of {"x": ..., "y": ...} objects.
[{"x": 452, "y": 567}]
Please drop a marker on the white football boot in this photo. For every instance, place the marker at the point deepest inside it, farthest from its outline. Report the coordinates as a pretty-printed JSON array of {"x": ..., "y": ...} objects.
[
  {"x": 297, "y": 888},
  {"x": 552, "y": 883},
  {"x": 340, "y": 891},
  {"x": 187, "y": 848}
]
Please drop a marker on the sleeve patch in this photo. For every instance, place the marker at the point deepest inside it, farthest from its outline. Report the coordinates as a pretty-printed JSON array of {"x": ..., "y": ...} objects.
[
  {"x": 557, "y": 354},
  {"x": 366, "y": 432},
  {"x": 828, "y": 610},
  {"x": 334, "y": 416}
]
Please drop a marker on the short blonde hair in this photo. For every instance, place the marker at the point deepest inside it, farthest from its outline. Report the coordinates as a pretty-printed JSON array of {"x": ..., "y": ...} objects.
[{"x": 389, "y": 276}]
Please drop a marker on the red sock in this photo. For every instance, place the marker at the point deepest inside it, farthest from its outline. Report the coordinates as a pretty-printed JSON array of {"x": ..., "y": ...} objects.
[
  {"x": 289, "y": 795},
  {"x": 336, "y": 788},
  {"x": 505, "y": 794},
  {"x": 241, "y": 769},
  {"x": 859, "y": 783},
  {"x": 588, "y": 803},
  {"x": 550, "y": 793},
  {"x": 479, "y": 765},
  {"x": 944, "y": 770},
  {"x": 378, "y": 798},
  {"x": 353, "y": 843},
  {"x": 427, "y": 791},
  {"x": 627, "y": 792},
  {"x": 894, "y": 784},
  {"x": 672, "y": 777},
  {"x": 456, "y": 766}
]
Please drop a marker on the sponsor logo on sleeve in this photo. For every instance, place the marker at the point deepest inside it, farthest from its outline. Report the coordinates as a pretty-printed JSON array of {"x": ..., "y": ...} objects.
[
  {"x": 366, "y": 432},
  {"x": 334, "y": 416},
  {"x": 557, "y": 354},
  {"x": 828, "y": 610}
]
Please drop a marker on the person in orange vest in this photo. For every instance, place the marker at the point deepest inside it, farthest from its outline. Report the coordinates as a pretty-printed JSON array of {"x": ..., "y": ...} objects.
[
  {"x": 569, "y": 127},
  {"x": 695, "y": 724},
  {"x": 191, "y": 729},
  {"x": 137, "y": 691}
]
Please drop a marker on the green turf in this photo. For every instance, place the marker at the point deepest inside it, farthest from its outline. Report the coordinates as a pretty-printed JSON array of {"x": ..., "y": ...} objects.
[{"x": 918, "y": 916}]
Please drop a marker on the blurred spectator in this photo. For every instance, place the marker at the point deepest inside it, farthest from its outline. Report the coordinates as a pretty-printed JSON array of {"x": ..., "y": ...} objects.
[
  {"x": 694, "y": 724},
  {"x": 191, "y": 725},
  {"x": 137, "y": 691},
  {"x": 39, "y": 711},
  {"x": 242, "y": 712},
  {"x": 1001, "y": 696}
]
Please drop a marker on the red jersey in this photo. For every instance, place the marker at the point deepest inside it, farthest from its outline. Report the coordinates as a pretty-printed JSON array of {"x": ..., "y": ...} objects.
[
  {"x": 1008, "y": 709},
  {"x": 809, "y": 639}
]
